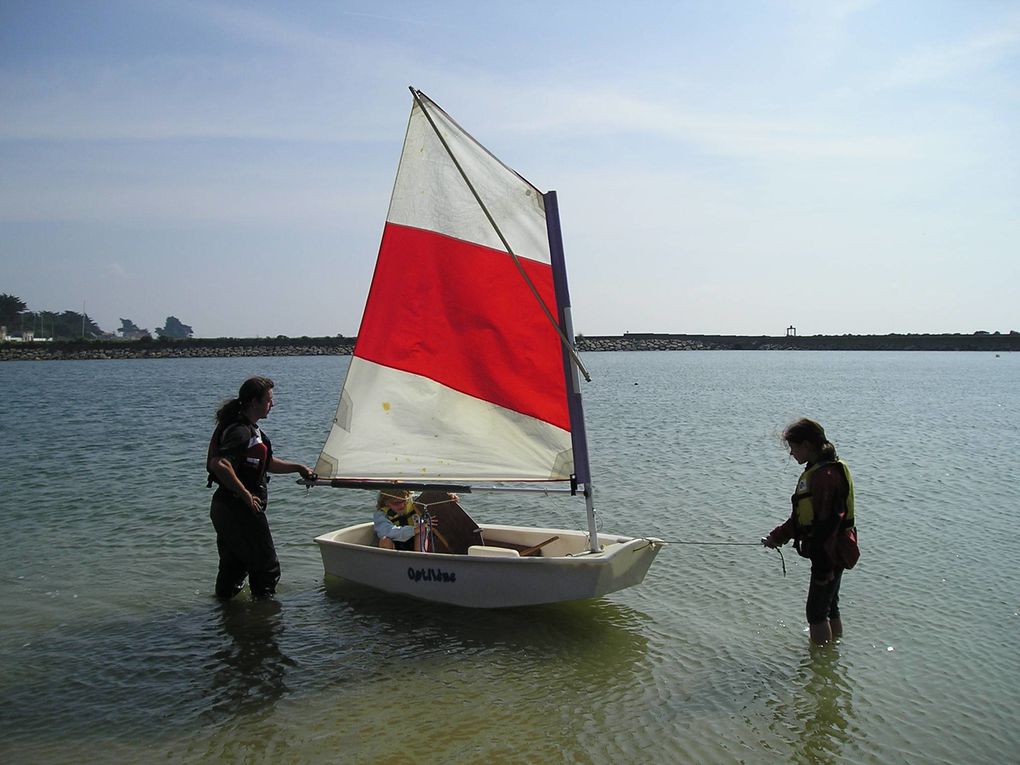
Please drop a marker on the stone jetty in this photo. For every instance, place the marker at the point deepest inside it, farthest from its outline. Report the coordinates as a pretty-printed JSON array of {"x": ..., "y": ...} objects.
[
  {"x": 342, "y": 346},
  {"x": 176, "y": 349},
  {"x": 981, "y": 341}
]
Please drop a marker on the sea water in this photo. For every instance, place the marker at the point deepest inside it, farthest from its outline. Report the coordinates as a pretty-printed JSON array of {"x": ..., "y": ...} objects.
[{"x": 113, "y": 649}]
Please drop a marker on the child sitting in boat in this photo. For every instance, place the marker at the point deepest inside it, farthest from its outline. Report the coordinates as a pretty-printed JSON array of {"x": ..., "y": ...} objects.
[{"x": 398, "y": 518}]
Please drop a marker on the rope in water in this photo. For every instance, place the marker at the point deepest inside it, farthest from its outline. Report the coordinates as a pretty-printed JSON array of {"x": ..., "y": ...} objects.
[{"x": 729, "y": 544}]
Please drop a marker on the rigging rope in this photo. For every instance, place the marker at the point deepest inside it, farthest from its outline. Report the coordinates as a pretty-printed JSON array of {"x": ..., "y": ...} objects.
[
  {"x": 564, "y": 340},
  {"x": 729, "y": 544},
  {"x": 427, "y": 532}
]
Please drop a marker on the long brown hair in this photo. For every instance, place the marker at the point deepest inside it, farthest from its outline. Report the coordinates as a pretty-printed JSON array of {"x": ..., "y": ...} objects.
[
  {"x": 812, "y": 433},
  {"x": 252, "y": 389}
]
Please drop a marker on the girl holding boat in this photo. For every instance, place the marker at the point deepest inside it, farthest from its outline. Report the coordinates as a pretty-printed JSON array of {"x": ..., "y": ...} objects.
[{"x": 239, "y": 457}]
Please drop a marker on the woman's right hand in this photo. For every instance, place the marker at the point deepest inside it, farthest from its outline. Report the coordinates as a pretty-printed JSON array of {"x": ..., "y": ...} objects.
[
  {"x": 768, "y": 542},
  {"x": 254, "y": 503}
]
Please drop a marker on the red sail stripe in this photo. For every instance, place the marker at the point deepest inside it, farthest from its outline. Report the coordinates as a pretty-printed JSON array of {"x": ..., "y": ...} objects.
[{"x": 461, "y": 314}]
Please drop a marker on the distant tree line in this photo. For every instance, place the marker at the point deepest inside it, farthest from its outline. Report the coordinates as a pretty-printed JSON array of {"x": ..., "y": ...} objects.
[
  {"x": 14, "y": 315},
  {"x": 174, "y": 329},
  {"x": 71, "y": 325}
]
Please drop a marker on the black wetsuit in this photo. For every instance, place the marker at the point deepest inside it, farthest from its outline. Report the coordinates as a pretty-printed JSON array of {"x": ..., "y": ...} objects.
[{"x": 243, "y": 538}]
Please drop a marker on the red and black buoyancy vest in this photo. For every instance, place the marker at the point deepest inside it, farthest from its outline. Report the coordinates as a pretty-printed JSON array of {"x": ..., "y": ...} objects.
[{"x": 250, "y": 461}]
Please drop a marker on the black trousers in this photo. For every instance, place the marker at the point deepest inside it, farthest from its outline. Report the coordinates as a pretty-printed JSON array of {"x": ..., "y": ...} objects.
[
  {"x": 246, "y": 548},
  {"x": 823, "y": 600}
]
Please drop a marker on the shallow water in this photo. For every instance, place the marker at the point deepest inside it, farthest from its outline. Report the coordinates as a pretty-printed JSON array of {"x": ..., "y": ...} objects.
[{"x": 112, "y": 649}]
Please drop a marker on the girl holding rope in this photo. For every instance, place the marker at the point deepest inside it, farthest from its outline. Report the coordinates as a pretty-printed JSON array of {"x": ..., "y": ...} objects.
[{"x": 821, "y": 524}]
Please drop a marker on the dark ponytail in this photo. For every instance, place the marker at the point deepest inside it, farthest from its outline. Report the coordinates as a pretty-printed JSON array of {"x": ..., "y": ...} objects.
[
  {"x": 251, "y": 389},
  {"x": 810, "y": 432}
]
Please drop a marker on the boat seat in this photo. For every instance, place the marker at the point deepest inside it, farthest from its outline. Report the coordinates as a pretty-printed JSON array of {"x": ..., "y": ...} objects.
[
  {"x": 522, "y": 550},
  {"x": 484, "y": 551}
]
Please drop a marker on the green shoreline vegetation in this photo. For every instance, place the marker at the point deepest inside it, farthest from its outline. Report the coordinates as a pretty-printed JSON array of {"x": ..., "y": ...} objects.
[{"x": 341, "y": 346}]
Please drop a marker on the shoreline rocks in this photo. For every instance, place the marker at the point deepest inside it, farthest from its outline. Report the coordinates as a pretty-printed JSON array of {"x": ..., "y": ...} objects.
[
  {"x": 664, "y": 342},
  {"x": 238, "y": 347},
  {"x": 115, "y": 350}
]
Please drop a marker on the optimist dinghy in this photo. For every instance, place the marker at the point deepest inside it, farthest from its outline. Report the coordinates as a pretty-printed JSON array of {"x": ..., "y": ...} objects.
[{"x": 465, "y": 374}]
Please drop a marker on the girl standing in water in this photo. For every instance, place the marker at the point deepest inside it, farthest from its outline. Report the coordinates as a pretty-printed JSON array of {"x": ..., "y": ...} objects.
[
  {"x": 239, "y": 457},
  {"x": 821, "y": 524}
]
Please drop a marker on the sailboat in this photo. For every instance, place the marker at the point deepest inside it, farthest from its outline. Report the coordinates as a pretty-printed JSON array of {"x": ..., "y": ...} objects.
[{"x": 464, "y": 378}]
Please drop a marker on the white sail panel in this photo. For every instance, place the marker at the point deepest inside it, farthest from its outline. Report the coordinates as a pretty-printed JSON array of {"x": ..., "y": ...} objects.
[
  {"x": 430, "y": 193},
  {"x": 393, "y": 425}
]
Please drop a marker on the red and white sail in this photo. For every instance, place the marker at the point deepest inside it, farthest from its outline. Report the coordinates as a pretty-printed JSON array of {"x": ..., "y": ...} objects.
[{"x": 457, "y": 374}]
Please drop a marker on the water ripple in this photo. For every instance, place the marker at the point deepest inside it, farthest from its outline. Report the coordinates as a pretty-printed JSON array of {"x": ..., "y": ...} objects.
[{"x": 112, "y": 644}]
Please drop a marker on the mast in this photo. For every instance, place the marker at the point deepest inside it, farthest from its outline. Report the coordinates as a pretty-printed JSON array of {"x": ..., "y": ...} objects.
[{"x": 578, "y": 434}]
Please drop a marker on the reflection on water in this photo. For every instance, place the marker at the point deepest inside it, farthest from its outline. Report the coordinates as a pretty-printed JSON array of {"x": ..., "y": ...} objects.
[
  {"x": 819, "y": 711},
  {"x": 825, "y": 708},
  {"x": 248, "y": 670},
  {"x": 563, "y": 673},
  {"x": 601, "y": 630}
]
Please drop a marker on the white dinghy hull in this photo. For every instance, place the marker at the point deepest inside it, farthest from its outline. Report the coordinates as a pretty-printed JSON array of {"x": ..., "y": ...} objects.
[{"x": 491, "y": 576}]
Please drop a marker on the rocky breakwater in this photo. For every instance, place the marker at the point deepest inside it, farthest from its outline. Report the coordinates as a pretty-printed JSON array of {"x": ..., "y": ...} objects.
[
  {"x": 979, "y": 341},
  {"x": 588, "y": 343},
  {"x": 111, "y": 350},
  {"x": 663, "y": 342},
  {"x": 343, "y": 346}
]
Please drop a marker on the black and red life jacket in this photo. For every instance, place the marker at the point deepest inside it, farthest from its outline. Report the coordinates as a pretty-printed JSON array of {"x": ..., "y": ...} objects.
[{"x": 250, "y": 463}]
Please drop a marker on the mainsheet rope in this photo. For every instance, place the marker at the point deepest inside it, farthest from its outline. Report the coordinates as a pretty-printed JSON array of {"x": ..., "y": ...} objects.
[
  {"x": 426, "y": 517},
  {"x": 727, "y": 544}
]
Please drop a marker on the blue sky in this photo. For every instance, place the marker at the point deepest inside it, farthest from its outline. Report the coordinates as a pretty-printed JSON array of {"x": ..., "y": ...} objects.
[{"x": 722, "y": 167}]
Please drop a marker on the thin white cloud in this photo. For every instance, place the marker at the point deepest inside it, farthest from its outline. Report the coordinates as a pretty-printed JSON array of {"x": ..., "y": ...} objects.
[
  {"x": 275, "y": 31},
  {"x": 933, "y": 64},
  {"x": 115, "y": 270},
  {"x": 266, "y": 31},
  {"x": 583, "y": 113},
  {"x": 291, "y": 83},
  {"x": 311, "y": 93},
  {"x": 845, "y": 9},
  {"x": 171, "y": 99},
  {"x": 159, "y": 101}
]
